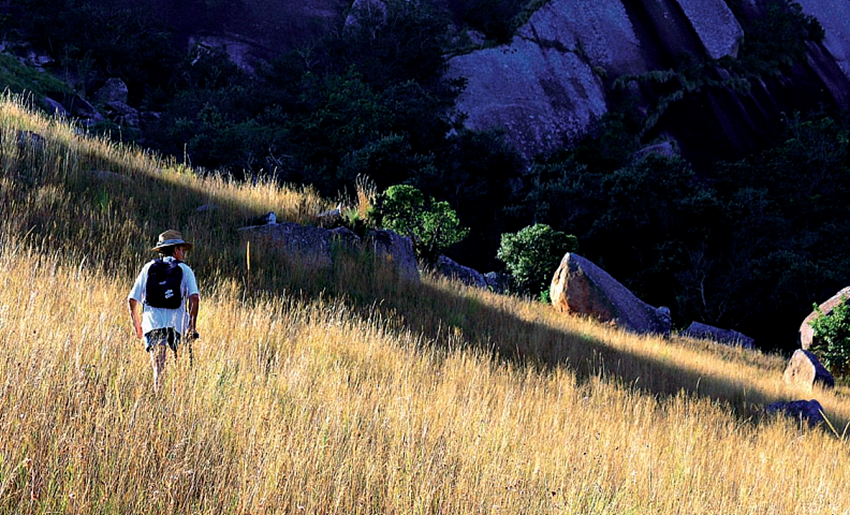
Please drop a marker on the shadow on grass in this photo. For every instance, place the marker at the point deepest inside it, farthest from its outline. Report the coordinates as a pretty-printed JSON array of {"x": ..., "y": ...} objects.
[{"x": 113, "y": 221}]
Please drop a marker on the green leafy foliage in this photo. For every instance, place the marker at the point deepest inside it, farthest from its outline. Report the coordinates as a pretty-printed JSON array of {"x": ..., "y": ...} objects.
[
  {"x": 92, "y": 41},
  {"x": 776, "y": 38},
  {"x": 18, "y": 78},
  {"x": 832, "y": 337},
  {"x": 494, "y": 18},
  {"x": 532, "y": 256},
  {"x": 432, "y": 225}
]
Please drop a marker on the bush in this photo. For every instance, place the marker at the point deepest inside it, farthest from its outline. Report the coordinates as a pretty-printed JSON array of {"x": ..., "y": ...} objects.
[
  {"x": 432, "y": 225},
  {"x": 532, "y": 255},
  {"x": 832, "y": 337}
]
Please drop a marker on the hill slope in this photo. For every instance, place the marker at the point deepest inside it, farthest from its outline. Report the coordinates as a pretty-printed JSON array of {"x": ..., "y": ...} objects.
[{"x": 345, "y": 391}]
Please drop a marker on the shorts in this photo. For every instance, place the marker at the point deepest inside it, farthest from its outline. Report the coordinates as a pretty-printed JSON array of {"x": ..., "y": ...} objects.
[{"x": 166, "y": 335}]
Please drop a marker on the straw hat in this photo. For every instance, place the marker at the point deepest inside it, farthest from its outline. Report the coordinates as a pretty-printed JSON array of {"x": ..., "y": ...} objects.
[{"x": 171, "y": 238}]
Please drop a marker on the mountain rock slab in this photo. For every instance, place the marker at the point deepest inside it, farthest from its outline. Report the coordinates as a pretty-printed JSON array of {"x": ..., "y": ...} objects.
[{"x": 715, "y": 25}]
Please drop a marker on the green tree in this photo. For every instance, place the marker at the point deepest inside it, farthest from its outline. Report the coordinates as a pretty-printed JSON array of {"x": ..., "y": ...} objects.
[
  {"x": 432, "y": 225},
  {"x": 532, "y": 255}
]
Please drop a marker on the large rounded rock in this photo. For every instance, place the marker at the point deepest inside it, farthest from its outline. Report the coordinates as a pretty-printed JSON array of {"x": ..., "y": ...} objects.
[
  {"x": 806, "y": 334},
  {"x": 805, "y": 370},
  {"x": 579, "y": 286},
  {"x": 539, "y": 95}
]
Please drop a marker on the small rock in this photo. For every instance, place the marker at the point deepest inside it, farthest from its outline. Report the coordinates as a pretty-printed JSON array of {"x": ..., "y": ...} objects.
[
  {"x": 55, "y": 108},
  {"x": 449, "y": 268},
  {"x": 114, "y": 90},
  {"x": 331, "y": 218},
  {"x": 804, "y": 369},
  {"x": 29, "y": 139},
  {"x": 110, "y": 176},
  {"x": 81, "y": 108},
  {"x": 122, "y": 114},
  {"x": 702, "y": 331},
  {"x": 499, "y": 282},
  {"x": 809, "y": 411},
  {"x": 268, "y": 218}
]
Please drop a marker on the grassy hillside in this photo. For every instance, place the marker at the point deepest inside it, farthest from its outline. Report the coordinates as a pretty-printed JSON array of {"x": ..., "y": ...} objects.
[{"x": 346, "y": 390}]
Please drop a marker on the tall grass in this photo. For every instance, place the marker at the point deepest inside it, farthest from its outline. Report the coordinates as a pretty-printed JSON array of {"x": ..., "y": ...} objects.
[{"x": 347, "y": 390}]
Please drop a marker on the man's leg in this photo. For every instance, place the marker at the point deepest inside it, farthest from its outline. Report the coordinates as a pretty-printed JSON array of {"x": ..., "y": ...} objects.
[
  {"x": 158, "y": 356},
  {"x": 156, "y": 344}
]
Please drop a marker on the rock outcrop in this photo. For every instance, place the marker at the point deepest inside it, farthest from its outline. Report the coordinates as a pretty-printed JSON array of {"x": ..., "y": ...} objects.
[
  {"x": 397, "y": 250},
  {"x": 810, "y": 412},
  {"x": 805, "y": 370},
  {"x": 312, "y": 245},
  {"x": 806, "y": 334},
  {"x": 834, "y": 17},
  {"x": 726, "y": 336},
  {"x": 546, "y": 86},
  {"x": 309, "y": 245},
  {"x": 580, "y": 286},
  {"x": 537, "y": 88},
  {"x": 714, "y": 24}
]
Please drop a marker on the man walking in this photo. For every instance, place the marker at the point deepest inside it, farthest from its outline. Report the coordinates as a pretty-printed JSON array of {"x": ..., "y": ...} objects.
[{"x": 167, "y": 292}]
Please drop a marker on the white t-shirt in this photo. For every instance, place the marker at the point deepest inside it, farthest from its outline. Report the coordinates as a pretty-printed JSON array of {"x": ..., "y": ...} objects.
[{"x": 157, "y": 318}]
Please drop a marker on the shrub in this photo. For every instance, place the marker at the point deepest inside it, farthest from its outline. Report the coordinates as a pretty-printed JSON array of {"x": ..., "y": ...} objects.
[
  {"x": 532, "y": 255},
  {"x": 832, "y": 337},
  {"x": 432, "y": 225}
]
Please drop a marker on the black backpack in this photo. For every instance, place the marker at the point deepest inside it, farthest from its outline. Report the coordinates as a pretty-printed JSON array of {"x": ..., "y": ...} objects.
[{"x": 163, "y": 287}]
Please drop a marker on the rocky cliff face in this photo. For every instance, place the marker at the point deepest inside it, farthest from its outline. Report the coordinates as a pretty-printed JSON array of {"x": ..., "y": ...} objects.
[{"x": 546, "y": 86}]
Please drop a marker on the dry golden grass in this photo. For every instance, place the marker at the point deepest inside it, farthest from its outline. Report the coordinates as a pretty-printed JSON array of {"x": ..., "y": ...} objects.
[{"x": 366, "y": 395}]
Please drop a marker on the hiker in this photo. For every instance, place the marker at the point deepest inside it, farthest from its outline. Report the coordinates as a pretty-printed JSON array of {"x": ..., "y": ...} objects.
[{"x": 168, "y": 293}]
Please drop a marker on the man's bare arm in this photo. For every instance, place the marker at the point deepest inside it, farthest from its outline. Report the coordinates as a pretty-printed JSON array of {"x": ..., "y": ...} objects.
[
  {"x": 134, "y": 306},
  {"x": 194, "y": 303}
]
